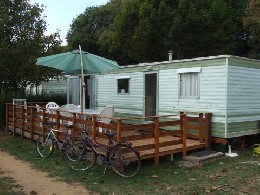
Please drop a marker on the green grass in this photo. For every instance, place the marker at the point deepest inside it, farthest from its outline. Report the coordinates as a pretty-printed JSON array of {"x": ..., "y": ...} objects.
[
  {"x": 9, "y": 186},
  {"x": 223, "y": 176}
]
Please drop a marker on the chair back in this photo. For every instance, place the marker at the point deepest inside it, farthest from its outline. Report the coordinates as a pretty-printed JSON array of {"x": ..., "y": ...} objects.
[
  {"x": 106, "y": 114},
  {"x": 38, "y": 108},
  {"x": 52, "y": 105},
  {"x": 65, "y": 112},
  {"x": 71, "y": 106}
]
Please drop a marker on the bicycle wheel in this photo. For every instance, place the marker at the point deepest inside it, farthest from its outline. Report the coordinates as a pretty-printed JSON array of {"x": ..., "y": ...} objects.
[
  {"x": 45, "y": 145},
  {"x": 124, "y": 160},
  {"x": 78, "y": 159}
]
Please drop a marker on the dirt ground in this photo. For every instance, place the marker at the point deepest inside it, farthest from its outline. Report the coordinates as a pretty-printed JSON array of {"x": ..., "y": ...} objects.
[{"x": 34, "y": 181}]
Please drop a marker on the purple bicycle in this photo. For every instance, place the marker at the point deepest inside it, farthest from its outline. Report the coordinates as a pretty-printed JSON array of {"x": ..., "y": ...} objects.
[
  {"x": 46, "y": 142},
  {"x": 121, "y": 157}
]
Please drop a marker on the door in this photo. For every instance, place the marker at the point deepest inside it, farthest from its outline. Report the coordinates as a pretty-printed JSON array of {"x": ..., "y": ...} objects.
[
  {"x": 90, "y": 92},
  {"x": 73, "y": 91},
  {"x": 150, "y": 94}
]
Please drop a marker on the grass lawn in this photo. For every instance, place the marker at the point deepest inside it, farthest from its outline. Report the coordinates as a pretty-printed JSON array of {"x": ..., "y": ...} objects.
[
  {"x": 8, "y": 186},
  {"x": 224, "y": 176}
]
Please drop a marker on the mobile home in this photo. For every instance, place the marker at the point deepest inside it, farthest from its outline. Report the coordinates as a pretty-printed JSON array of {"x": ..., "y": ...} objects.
[{"x": 226, "y": 86}]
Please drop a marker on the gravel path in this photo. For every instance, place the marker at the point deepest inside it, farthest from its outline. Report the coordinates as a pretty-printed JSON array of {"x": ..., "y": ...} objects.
[{"x": 34, "y": 181}]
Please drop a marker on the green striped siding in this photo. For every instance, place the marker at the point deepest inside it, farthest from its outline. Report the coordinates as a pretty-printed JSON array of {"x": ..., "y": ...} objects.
[
  {"x": 242, "y": 98},
  {"x": 218, "y": 129},
  {"x": 244, "y": 62},
  {"x": 243, "y": 128},
  {"x": 172, "y": 65}
]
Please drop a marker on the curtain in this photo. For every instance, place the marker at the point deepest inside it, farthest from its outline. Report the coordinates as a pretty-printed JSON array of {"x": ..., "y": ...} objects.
[{"x": 189, "y": 85}]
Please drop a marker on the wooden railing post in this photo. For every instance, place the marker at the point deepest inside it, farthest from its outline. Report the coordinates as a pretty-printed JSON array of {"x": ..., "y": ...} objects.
[
  {"x": 94, "y": 127},
  {"x": 7, "y": 116},
  {"x": 74, "y": 122},
  {"x": 208, "y": 131},
  {"x": 43, "y": 120},
  {"x": 119, "y": 130},
  {"x": 184, "y": 135},
  {"x": 22, "y": 118},
  {"x": 201, "y": 137},
  {"x": 181, "y": 126},
  {"x": 14, "y": 119},
  {"x": 156, "y": 141},
  {"x": 32, "y": 123},
  {"x": 57, "y": 119}
]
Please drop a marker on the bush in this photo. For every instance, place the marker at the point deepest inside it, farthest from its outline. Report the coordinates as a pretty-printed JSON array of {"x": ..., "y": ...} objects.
[{"x": 60, "y": 97}]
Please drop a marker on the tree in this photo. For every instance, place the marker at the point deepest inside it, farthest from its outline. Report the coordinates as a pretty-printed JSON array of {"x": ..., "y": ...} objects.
[
  {"x": 252, "y": 23},
  {"x": 22, "y": 40},
  {"x": 133, "y": 31},
  {"x": 203, "y": 28}
]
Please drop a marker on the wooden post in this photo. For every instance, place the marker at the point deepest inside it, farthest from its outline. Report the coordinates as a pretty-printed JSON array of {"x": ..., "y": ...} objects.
[
  {"x": 32, "y": 123},
  {"x": 14, "y": 119},
  {"x": 184, "y": 135},
  {"x": 208, "y": 131},
  {"x": 94, "y": 127},
  {"x": 74, "y": 121},
  {"x": 201, "y": 127},
  {"x": 156, "y": 141},
  {"x": 57, "y": 119},
  {"x": 43, "y": 120},
  {"x": 22, "y": 118},
  {"x": 7, "y": 116},
  {"x": 181, "y": 126},
  {"x": 119, "y": 129}
]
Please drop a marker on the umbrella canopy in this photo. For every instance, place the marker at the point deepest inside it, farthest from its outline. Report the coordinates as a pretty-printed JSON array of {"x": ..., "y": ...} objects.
[
  {"x": 70, "y": 62},
  {"x": 78, "y": 62}
]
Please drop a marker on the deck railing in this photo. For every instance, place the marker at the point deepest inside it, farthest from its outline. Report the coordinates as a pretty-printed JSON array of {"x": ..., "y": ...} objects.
[{"x": 152, "y": 136}]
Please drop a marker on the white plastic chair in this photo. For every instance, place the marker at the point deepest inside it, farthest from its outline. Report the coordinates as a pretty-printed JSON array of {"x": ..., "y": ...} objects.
[
  {"x": 38, "y": 108},
  {"x": 51, "y": 108},
  {"x": 65, "y": 112},
  {"x": 70, "y": 106},
  {"x": 105, "y": 116},
  {"x": 51, "y": 105}
]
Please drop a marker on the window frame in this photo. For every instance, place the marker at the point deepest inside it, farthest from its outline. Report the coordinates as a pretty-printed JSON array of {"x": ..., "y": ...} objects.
[
  {"x": 194, "y": 70},
  {"x": 128, "y": 83}
]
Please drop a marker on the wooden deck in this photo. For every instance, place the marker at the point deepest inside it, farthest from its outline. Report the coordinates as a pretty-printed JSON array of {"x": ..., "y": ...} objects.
[{"x": 153, "y": 136}]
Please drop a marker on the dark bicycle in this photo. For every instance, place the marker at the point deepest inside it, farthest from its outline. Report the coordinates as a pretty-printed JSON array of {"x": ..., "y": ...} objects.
[{"x": 121, "y": 157}]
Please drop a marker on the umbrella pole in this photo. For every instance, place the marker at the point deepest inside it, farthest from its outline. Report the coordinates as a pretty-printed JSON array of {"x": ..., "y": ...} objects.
[{"x": 82, "y": 102}]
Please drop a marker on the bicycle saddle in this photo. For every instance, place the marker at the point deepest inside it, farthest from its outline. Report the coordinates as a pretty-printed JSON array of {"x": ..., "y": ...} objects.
[{"x": 110, "y": 134}]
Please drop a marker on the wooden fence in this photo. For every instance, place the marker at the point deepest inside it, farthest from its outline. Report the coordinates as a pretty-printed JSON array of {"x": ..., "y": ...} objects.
[{"x": 152, "y": 136}]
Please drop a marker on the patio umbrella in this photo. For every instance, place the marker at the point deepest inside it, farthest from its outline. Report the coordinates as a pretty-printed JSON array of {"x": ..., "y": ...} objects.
[{"x": 78, "y": 62}]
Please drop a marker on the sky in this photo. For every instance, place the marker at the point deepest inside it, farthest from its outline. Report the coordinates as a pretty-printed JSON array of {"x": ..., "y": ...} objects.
[{"x": 60, "y": 13}]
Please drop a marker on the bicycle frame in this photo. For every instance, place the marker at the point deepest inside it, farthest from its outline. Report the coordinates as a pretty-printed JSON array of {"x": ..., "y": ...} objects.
[
  {"x": 56, "y": 141},
  {"x": 94, "y": 145}
]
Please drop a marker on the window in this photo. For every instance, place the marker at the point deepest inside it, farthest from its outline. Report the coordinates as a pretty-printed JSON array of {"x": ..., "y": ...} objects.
[
  {"x": 189, "y": 85},
  {"x": 123, "y": 86}
]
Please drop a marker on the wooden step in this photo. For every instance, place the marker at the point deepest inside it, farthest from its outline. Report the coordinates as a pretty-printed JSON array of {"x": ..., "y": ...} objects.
[{"x": 172, "y": 149}]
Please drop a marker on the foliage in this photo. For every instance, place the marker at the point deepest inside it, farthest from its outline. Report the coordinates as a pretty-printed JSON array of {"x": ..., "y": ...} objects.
[
  {"x": 59, "y": 97},
  {"x": 224, "y": 176},
  {"x": 133, "y": 31},
  {"x": 22, "y": 40},
  {"x": 204, "y": 28},
  {"x": 252, "y": 22}
]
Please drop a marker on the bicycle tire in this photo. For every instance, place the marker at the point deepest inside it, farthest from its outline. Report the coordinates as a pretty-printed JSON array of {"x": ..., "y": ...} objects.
[
  {"x": 77, "y": 159},
  {"x": 124, "y": 160},
  {"x": 45, "y": 145}
]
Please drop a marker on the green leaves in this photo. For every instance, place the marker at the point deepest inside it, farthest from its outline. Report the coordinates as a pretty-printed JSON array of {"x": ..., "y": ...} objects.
[
  {"x": 22, "y": 40},
  {"x": 133, "y": 31}
]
